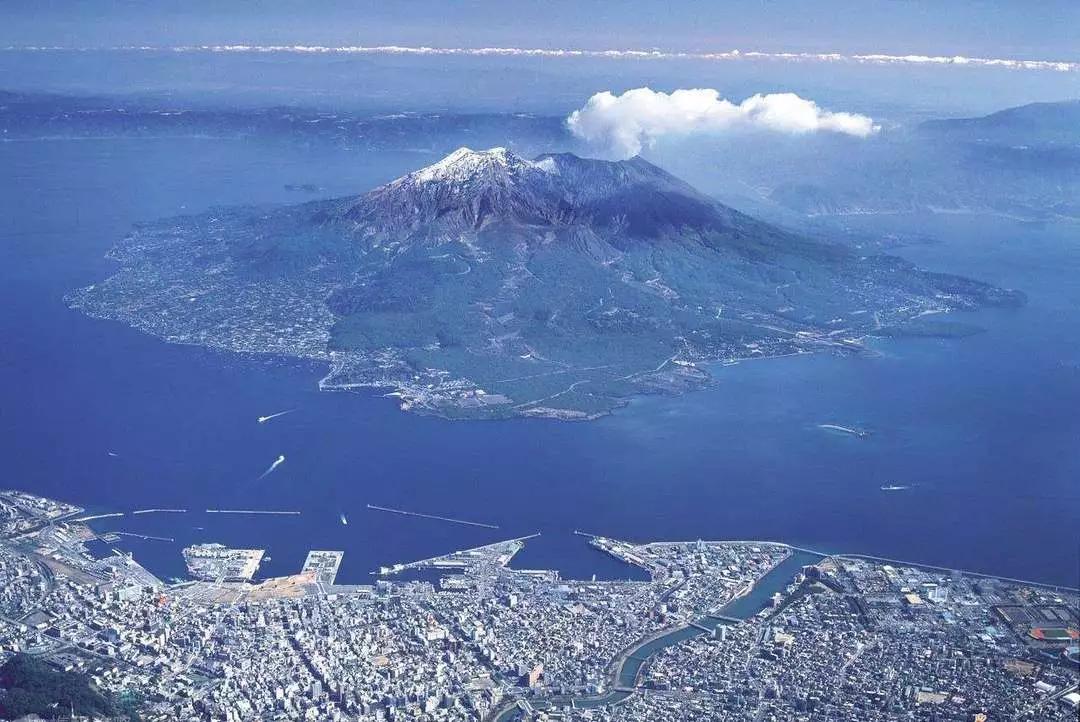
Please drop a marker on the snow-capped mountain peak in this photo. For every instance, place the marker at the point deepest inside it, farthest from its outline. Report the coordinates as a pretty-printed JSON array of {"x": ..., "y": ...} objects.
[
  {"x": 465, "y": 164},
  {"x": 470, "y": 189},
  {"x": 466, "y": 189}
]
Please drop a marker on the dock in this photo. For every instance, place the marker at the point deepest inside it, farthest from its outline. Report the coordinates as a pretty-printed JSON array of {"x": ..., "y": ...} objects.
[
  {"x": 499, "y": 553},
  {"x": 323, "y": 565},
  {"x": 218, "y": 563}
]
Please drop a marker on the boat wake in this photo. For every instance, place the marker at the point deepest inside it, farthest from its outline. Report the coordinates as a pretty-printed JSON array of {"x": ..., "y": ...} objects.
[
  {"x": 850, "y": 430},
  {"x": 277, "y": 462}
]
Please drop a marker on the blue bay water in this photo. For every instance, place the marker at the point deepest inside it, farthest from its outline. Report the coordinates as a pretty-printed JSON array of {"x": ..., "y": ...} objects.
[{"x": 984, "y": 430}]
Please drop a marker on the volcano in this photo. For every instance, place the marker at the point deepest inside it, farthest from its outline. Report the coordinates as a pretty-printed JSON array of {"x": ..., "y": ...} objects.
[{"x": 488, "y": 284}]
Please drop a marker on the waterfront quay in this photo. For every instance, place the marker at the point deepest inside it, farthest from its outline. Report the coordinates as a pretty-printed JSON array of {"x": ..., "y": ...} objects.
[{"x": 323, "y": 565}]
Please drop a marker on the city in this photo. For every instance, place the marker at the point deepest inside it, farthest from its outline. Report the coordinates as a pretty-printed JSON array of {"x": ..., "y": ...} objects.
[{"x": 720, "y": 630}]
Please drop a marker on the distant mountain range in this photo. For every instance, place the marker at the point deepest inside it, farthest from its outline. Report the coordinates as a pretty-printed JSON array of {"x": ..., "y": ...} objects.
[
  {"x": 1022, "y": 162},
  {"x": 488, "y": 284},
  {"x": 35, "y": 115},
  {"x": 1032, "y": 124}
]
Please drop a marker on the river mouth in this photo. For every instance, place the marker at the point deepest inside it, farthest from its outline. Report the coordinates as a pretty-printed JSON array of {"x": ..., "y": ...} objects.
[{"x": 739, "y": 609}]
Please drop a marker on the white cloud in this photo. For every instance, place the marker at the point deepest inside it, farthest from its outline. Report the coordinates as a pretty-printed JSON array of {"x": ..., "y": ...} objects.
[
  {"x": 1062, "y": 66},
  {"x": 624, "y": 124}
]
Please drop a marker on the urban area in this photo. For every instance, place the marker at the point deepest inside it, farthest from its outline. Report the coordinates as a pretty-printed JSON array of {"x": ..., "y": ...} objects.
[{"x": 466, "y": 637}]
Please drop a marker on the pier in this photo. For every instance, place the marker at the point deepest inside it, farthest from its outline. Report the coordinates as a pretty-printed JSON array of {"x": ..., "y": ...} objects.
[
  {"x": 431, "y": 516},
  {"x": 323, "y": 565},
  {"x": 459, "y": 559},
  {"x": 159, "y": 511}
]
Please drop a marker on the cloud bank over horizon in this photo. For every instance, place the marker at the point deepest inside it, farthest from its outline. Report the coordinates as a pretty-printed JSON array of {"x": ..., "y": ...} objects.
[
  {"x": 1061, "y": 66},
  {"x": 623, "y": 125}
]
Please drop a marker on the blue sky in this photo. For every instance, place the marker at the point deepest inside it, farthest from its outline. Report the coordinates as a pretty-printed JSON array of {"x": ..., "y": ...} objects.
[{"x": 1048, "y": 29}]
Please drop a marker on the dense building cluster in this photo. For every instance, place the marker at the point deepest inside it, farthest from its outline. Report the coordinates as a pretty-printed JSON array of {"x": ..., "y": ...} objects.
[
  {"x": 861, "y": 640},
  {"x": 846, "y": 639}
]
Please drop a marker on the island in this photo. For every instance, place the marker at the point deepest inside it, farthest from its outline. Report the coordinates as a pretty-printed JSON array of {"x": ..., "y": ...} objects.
[{"x": 490, "y": 285}]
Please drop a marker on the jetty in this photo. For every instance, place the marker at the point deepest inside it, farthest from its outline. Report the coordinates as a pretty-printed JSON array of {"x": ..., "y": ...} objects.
[
  {"x": 99, "y": 516},
  {"x": 449, "y": 519},
  {"x": 145, "y": 537},
  {"x": 252, "y": 511}
]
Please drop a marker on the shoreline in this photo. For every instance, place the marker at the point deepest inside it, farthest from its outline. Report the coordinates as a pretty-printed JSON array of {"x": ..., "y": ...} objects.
[{"x": 775, "y": 542}]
